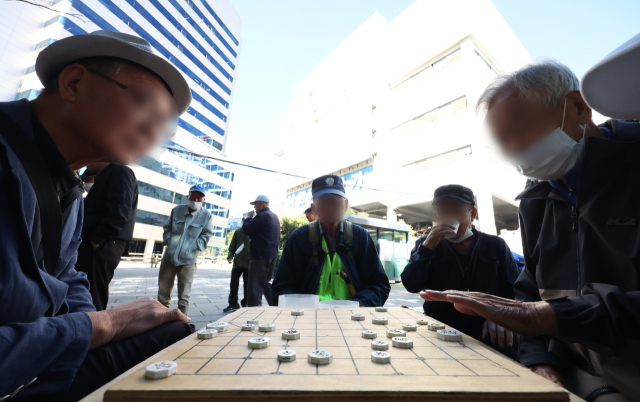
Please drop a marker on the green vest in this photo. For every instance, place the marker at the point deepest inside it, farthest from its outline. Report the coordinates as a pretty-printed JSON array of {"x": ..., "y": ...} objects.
[{"x": 332, "y": 286}]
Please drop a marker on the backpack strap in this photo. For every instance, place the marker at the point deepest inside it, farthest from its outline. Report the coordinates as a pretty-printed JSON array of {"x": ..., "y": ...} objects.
[
  {"x": 348, "y": 238},
  {"x": 314, "y": 240}
]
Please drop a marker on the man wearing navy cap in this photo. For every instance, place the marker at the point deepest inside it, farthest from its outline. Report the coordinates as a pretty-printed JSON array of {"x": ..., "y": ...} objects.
[
  {"x": 454, "y": 255},
  {"x": 330, "y": 257},
  {"x": 185, "y": 234}
]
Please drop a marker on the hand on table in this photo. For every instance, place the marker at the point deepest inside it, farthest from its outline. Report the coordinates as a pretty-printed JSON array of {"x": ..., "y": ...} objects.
[
  {"x": 549, "y": 373},
  {"x": 497, "y": 334},
  {"x": 436, "y": 235},
  {"x": 528, "y": 319},
  {"x": 130, "y": 319}
]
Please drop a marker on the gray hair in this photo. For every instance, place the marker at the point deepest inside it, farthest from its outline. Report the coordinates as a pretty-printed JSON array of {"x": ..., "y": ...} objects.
[
  {"x": 545, "y": 81},
  {"x": 102, "y": 65}
]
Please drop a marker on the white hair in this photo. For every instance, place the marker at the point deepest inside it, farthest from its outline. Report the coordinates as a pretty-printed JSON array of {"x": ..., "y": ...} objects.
[{"x": 545, "y": 81}]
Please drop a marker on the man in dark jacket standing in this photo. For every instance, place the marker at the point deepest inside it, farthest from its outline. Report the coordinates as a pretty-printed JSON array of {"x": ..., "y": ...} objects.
[
  {"x": 579, "y": 294},
  {"x": 110, "y": 211},
  {"x": 331, "y": 258},
  {"x": 454, "y": 255},
  {"x": 264, "y": 231},
  {"x": 239, "y": 256}
]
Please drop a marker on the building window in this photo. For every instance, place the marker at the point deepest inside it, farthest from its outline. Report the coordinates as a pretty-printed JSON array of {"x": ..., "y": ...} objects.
[
  {"x": 439, "y": 113},
  {"x": 440, "y": 158},
  {"x": 429, "y": 69},
  {"x": 44, "y": 43},
  {"x": 29, "y": 70},
  {"x": 151, "y": 218},
  {"x": 29, "y": 94},
  {"x": 485, "y": 63}
]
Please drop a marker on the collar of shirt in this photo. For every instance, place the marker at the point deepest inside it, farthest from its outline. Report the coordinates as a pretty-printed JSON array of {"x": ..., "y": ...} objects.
[
  {"x": 340, "y": 228},
  {"x": 570, "y": 190},
  {"x": 68, "y": 184}
]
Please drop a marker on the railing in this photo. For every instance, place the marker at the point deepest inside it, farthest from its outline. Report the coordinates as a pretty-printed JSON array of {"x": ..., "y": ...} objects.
[{"x": 155, "y": 258}]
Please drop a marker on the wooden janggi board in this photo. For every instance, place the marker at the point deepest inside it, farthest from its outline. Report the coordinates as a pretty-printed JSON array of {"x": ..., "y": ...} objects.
[{"x": 225, "y": 368}]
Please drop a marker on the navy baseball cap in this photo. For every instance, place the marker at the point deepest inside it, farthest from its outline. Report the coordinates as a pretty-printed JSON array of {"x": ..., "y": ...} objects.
[
  {"x": 197, "y": 188},
  {"x": 457, "y": 191},
  {"x": 328, "y": 184}
]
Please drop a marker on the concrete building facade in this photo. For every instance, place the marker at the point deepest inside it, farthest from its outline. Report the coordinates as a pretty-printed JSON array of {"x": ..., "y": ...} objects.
[
  {"x": 201, "y": 38},
  {"x": 391, "y": 110}
]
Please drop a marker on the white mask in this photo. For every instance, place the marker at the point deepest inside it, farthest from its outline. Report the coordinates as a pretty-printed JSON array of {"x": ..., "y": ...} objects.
[
  {"x": 468, "y": 233},
  {"x": 195, "y": 205},
  {"x": 87, "y": 186},
  {"x": 552, "y": 157}
]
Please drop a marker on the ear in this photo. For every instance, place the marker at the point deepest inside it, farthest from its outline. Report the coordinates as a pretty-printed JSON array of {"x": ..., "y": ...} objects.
[
  {"x": 313, "y": 208},
  {"x": 474, "y": 213},
  {"x": 584, "y": 112},
  {"x": 70, "y": 80}
]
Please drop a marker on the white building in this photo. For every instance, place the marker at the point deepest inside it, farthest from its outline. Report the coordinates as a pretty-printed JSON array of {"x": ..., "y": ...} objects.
[
  {"x": 392, "y": 108},
  {"x": 201, "y": 38}
]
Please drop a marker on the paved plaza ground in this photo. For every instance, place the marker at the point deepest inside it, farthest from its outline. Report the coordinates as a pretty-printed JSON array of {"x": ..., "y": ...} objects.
[{"x": 210, "y": 290}]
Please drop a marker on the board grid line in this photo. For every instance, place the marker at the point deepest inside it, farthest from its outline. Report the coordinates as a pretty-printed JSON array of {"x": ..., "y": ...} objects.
[
  {"x": 346, "y": 343},
  {"x": 363, "y": 328}
]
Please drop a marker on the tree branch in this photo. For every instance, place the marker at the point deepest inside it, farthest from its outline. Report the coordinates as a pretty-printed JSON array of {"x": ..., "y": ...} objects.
[{"x": 78, "y": 16}]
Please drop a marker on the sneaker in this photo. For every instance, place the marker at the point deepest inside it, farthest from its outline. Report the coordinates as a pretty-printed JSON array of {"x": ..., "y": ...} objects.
[{"x": 230, "y": 309}]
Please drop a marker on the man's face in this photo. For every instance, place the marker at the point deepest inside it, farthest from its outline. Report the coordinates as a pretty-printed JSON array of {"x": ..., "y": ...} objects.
[
  {"x": 516, "y": 122},
  {"x": 259, "y": 206},
  {"x": 196, "y": 196},
  {"x": 330, "y": 208},
  {"x": 452, "y": 208},
  {"x": 120, "y": 124},
  {"x": 311, "y": 217}
]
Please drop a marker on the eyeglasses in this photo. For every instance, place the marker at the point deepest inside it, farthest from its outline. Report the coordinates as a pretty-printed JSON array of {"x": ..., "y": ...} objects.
[{"x": 146, "y": 108}]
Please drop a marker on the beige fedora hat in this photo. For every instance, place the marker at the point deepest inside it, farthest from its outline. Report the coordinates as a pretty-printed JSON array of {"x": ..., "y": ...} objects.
[
  {"x": 612, "y": 85},
  {"x": 104, "y": 43}
]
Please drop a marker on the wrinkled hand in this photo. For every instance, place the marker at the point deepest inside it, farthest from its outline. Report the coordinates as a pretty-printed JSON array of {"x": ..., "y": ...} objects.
[
  {"x": 549, "y": 373},
  {"x": 436, "y": 234},
  {"x": 528, "y": 319},
  {"x": 130, "y": 319},
  {"x": 497, "y": 334}
]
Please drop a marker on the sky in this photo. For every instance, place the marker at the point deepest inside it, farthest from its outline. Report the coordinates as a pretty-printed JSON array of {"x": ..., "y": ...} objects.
[{"x": 282, "y": 41}]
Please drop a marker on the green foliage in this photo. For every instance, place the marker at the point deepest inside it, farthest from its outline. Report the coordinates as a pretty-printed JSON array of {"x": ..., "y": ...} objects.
[
  {"x": 350, "y": 211},
  {"x": 287, "y": 225}
]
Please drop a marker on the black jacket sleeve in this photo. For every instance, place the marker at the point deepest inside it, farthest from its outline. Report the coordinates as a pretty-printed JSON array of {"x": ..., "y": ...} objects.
[
  {"x": 533, "y": 351},
  {"x": 415, "y": 274},
  {"x": 615, "y": 314},
  {"x": 374, "y": 286},
  {"x": 286, "y": 279},
  {"x": 120, "y": 194}
]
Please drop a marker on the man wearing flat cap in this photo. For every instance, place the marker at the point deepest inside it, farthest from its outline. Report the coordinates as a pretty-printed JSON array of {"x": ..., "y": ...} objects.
[
  {"x": 107, "y": 98},
  {"x": 331, "y": 257},
  {"x": 454, "y": 255}
]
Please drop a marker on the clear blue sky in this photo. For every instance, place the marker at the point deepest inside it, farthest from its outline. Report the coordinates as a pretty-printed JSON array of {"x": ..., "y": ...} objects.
[{"x": 282, "y": 41}]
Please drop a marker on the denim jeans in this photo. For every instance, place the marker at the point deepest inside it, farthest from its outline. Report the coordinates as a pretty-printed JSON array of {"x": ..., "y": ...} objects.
[{"x": 167, "y": 275}]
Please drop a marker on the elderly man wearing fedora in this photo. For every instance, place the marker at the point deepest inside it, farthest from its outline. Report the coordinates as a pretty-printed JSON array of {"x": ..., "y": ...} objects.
[
  {"x": 107, "y": 98},
  {"x": 263, "y": 228}
]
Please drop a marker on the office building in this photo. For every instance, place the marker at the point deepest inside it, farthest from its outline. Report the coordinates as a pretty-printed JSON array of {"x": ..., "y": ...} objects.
[
  {"x": 201, "y": 38},
  {"x": 391, "y": 110}
]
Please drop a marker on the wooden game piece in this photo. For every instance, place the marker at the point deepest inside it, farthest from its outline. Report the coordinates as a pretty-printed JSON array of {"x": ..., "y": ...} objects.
[
  {"x": 357, "y": 317},
  {"x": 422, "y": 322},
  {"x": 395, "y": 332},
  {"x": 291, "y": 334},
  {"x": 248, "y": 327},
  {"x": 367, "y": 333},
  {"x": 380, "y": 357},
  {"x": 159, "y": 370},
  {"x": 207, "y": 333},
  {"x": 434, "y": 326},
  {"x": 259, "y": 343},
  {"x": 402, "y": 342},
  {"x": 379, "y": 345},
  {"x": 409, "y": 327},
  {"x": 379, "y": 320},
  {"x": 219, "y": 326},
  {"x": 254, "y": 321},
  {"x": 286, "y": 355},
  {"x": 297, "y": 312},
  {"x": 267, "y": 327},
  {"x": 320, "y": 357},
  {"x": 449, "y": 335},
  {"x": 381, "y": 309}
]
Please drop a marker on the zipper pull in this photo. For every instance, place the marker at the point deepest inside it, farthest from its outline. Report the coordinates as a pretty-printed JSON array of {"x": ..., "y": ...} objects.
[{"x": 574, "y": 216}]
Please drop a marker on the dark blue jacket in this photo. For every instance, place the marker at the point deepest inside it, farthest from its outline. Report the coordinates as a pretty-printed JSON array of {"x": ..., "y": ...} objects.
[
  {"x": 44, "y": 329},
  {"x": 264, "y": 231},
  {"x": 492, "y": 270},
  {"x": 296, "y": 276}
]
